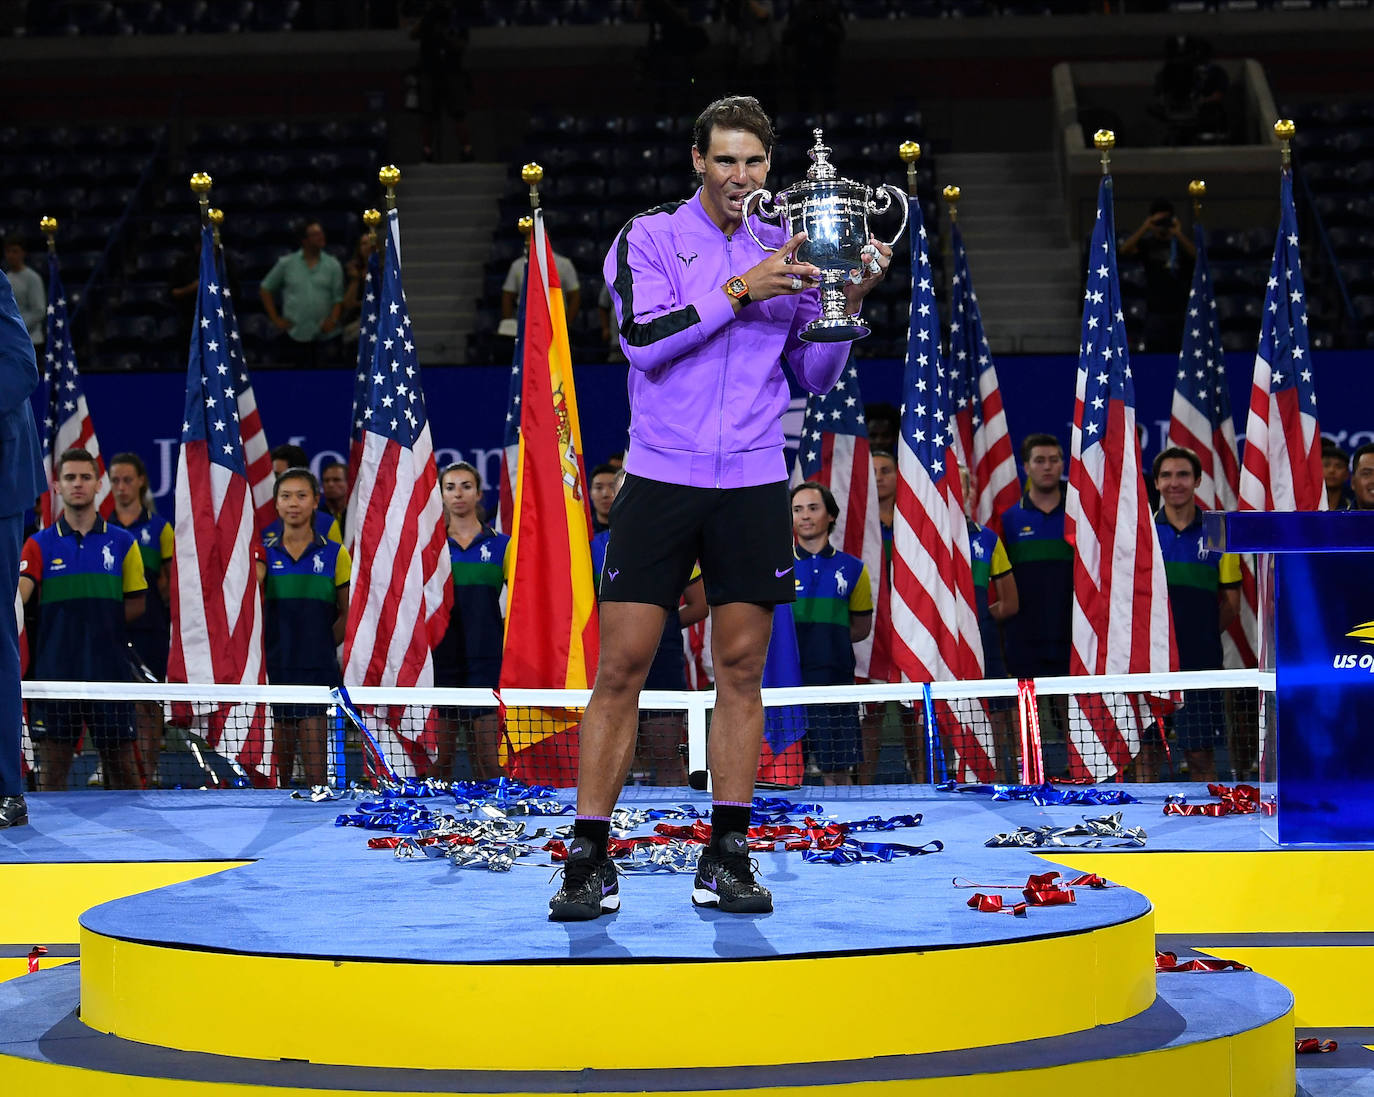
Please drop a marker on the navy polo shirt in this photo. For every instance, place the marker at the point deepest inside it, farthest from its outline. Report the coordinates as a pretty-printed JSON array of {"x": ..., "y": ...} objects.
[
  {"x": 1195, "y": 574},
  {"x": 1039, "y": 637},
  {"x": 81, "y": 582},
  {"x": 326, "y": 525},
  {"x": 476, "y": 629},
  {"x": 832, "y": 586},
  {"x": 156, "y": 544},
  {"x": 302, "y": 606}
]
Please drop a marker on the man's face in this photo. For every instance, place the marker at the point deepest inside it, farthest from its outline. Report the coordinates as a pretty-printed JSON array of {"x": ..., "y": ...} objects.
[
  {"x": 125, "y": 484},
  {"x": 1335, "y": 472},
  {"x": 1045, "y": 467},
  {"x": 296, "y": 501},
  {"x": 76, "y": 484},
  {"x": 334, "y": 484},
  {"x": 735, "y": 164},
  {"x": 885, "y": 473},
  {"x": 459, "y": 490},
  {"x": 809, "y": 516},
  {"x": 14, "y": 256},
  {"x": 314, "y": 237},
  {"x": 603, "y": 494},
  {"x": 1362, "y": 482},
  {"x": 1176, "y": 482}
]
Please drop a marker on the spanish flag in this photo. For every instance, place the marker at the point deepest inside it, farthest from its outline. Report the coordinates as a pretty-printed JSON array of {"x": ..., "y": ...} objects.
[{"x": 551, "y": 636}]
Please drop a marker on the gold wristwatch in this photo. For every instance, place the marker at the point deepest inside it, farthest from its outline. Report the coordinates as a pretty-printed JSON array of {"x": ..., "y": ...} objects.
[{"x": 738, "y": 288}]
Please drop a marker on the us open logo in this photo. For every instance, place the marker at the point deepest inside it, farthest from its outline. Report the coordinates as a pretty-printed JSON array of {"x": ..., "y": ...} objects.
[{"x": 1350, "y": 660}]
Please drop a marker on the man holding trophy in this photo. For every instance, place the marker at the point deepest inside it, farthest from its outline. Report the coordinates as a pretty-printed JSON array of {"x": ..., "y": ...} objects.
[{"x": 705, "y": 314}]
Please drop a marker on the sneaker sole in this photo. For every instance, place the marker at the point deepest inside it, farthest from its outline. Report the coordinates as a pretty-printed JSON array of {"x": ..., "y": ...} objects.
[
  {"x": 579, "y": 912},
  {"x": 701, "y": 897}
]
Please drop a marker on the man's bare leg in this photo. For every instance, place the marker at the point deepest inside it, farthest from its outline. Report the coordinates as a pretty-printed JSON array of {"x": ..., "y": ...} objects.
[{"x": 739, "y": 646}]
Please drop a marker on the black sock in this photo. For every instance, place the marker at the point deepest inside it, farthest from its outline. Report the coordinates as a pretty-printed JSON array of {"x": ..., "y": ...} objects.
[
  {"x": 595, "y": 829},
  {"x": 728, "y": 818}
]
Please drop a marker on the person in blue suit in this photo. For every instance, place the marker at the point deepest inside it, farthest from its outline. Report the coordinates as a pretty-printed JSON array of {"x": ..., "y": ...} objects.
[{"x": 21, "y": 482}]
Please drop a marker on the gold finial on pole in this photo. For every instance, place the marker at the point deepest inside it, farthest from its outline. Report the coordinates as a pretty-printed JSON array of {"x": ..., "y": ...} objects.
[
  {"x": 216, "y": 220},
  {"x": 532, "y": 175},
  {"x": 1284, "y": 131},
  {"x": 910, "y": 152},
  {"x": 525, "y": 225},
  {"x": 1104, "y": 141},
  {"x": 1197, "y": 190},
  {"x": 48, "y": 226},
  {"x": 372, "y": 218},
  {"x": 389, "y": 177},
  {"x": 201, "y": 184},
  {"x": 951, "y": 195}
]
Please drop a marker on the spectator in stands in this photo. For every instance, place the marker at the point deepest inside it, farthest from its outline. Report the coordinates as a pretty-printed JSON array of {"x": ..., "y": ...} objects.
[
  {"x": 1336, "y": 475},
  {"x": 22, "y": 479},
  {"x": 515, "y": 278},
  {"x": 883, "y": 421},
  {"x": 304, "y": 578},
  {"x": 1037, "y": 639},
  {"x": 994, "y": 592},
  {"x": 284, "y": 458},
  {"x": 1190, "y": 93},
  {"x": 355, "y": 275},
  {"x": 1166, "y": 252},
  {"x": 815, "y": 28},
  {"x": 1362, "y": 480},
  {"x": 29, "y": 292},
  {"x": 311, "y": 284},
  {"x": 1204, "y": 597},
  {"x": 88, "y": 576},
  {"x": 833, "y": 611},
  {"x": 661, "y": 733},
  {"x": 604, "y": 482},
  {"x": 151, "y": 633},
  {"x": 442, "y": 83},
  {"x": 469, "y": 655},
  {"x": 609, "y": 335},
  {"x": 334, "y": 485}
]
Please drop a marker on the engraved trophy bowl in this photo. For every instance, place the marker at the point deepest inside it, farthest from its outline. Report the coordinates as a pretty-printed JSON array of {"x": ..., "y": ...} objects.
[{"x": 833, "y": 212}]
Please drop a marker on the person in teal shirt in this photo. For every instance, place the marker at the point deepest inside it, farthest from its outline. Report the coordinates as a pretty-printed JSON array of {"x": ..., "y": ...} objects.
[{"x": 311, "y": 284}]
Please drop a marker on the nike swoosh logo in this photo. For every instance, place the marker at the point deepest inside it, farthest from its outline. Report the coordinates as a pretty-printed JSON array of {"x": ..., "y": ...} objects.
[
  {"x": 606, "y": 889},
  {"x": 779, "y": 574}
]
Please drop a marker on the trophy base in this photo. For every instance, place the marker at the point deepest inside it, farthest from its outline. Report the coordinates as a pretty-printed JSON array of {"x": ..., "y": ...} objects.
[{"x": 842, "y": 329}]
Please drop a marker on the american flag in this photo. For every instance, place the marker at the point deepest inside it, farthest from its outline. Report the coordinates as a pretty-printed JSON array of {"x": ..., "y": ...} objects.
[
  {"x": 67, "y": 420},
  {"x": 834, "y": 452},
  {"x": 257, "y": 458},
  {"x": 1121, "y": 621},
  {"x": 1282, "y": 461},
  {"x": 981, "y": 440},
  {"x": 399, "y": 602},
  {"x": 215, "y": 606},
  {"x": 1201, "y": 420},
  {"x": 934, "y": 621},
  {"x": 362, "y": 389},
  {"x": 510, "y": 437}
]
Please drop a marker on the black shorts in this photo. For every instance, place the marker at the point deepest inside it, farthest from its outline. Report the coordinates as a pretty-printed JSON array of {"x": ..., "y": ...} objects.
[
  {"x": 108, "y": 723},
  {"x": 741, "y": 536}
]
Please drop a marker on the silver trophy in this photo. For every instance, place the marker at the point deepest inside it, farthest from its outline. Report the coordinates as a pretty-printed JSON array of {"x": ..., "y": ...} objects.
[{"x": 833, "y": 212}]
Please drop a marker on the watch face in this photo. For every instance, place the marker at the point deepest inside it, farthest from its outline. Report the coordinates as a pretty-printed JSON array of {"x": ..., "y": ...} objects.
[{"x": 736, "y": 287}]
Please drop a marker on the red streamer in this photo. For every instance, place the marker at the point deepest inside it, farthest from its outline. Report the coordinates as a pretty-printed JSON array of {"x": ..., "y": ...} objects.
[
  {"x": 1311, "y": 1045},
  {"x": 34, "y": 954},
  {"x": 1168, "y": 962},
  {"x": 1241, "y": 800}
]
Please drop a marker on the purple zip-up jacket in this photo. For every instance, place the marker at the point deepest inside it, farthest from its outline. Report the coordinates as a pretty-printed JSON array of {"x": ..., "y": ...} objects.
[{"x": 707, "y": 391}]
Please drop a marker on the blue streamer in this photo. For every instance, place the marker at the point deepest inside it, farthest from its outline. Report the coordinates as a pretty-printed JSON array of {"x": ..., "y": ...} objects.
[
  {"x": 345, "y": 702},
  {"x": 935, "y": 749},
  {"x": 1048, "y": 795},
  {"x": 853, "y": 853}
]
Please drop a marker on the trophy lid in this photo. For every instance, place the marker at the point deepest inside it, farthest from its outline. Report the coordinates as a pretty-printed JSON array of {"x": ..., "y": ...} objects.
[{"x": 821, "y": 167}]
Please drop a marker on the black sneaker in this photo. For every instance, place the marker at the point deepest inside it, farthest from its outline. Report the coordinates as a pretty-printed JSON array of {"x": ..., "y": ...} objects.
[
  {"x": 590, "y": 888},
  {"x": 14, "y": 812},
  {"x": 725, "y": 879}
]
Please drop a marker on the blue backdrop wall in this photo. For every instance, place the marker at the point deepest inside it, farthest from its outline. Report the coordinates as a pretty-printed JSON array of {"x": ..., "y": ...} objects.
[{"x": 467, "y": 406}]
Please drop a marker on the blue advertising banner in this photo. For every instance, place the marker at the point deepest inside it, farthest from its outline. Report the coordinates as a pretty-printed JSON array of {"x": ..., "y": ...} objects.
[{"x": 467, "y": 407}]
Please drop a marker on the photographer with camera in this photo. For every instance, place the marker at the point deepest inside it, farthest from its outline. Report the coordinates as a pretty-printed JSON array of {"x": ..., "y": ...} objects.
[{"x": 1167, "y": 254}]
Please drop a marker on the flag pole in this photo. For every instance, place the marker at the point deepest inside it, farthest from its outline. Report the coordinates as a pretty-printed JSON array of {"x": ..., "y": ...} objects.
[
  {"x": 1197, "y": 190},
  {"x": 201, "y": 184},
  {"x": 372, "y": 218},
  {"x": 1105, "y": 141},
  {"x": 216, "y": 218},
  {"x": 389, "y": 177},
  {"x": 532, "y": 174},
  {"x": 951, "y": 196},
  {"x": 1284, "y": 130},
  {"x": 48, "y": 226}
]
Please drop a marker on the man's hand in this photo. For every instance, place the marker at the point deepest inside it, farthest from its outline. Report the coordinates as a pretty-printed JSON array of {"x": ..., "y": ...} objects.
[
  {"x": 877, "y": 258},
  {"x": 780, "y": 274},
  {"x": 281, "y": 323},
  {"x": 329, "y": 324}
]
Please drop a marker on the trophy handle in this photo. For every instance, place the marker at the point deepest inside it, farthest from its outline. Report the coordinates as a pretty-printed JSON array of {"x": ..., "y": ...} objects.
[
  {"x": 888, "y": 193},
  {"x": 765, "y": 197}
]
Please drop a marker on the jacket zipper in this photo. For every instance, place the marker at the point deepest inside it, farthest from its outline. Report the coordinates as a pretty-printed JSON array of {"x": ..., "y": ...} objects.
[{"x": 725, "y": 365}]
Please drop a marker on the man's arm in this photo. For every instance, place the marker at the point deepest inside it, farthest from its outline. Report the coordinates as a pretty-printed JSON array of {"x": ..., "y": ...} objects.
[
  {"x": 18, "y": 364},
  {"x": 135, "y": 583},
  {"x": 266, "y": 291}
]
